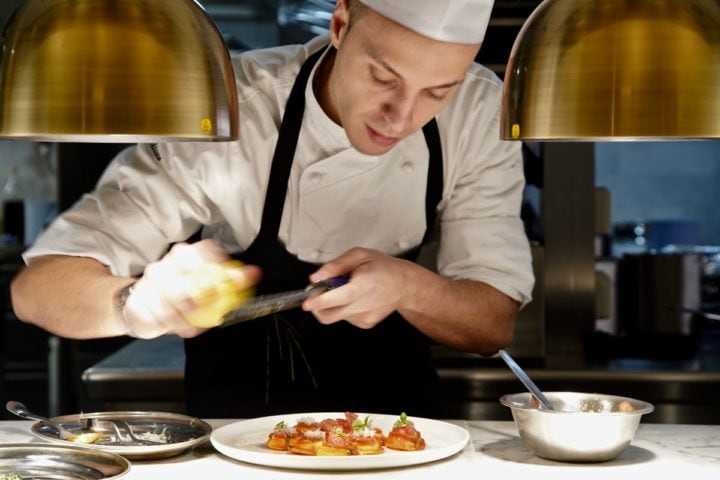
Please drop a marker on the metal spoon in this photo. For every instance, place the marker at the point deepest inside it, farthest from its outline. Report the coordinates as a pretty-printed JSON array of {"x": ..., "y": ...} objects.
[
  {"x": 21, "y": 411},
  {"x": 523, "y": 377}
]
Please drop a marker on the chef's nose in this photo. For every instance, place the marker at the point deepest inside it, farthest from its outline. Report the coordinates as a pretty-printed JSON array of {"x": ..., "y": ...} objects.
[{"x": 398, "y": 112}]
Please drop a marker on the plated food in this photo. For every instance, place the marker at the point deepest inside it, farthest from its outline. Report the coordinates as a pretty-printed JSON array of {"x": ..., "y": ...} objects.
[
  {"x": 404, "y": 436},
  {"x": 349, "y": 435},
  {"x": 247, "y": 441}
]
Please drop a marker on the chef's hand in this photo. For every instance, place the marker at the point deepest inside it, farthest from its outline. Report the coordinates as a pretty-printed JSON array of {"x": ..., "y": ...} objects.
[
  {"x": 185, "y": 291},
  {"x": 378, "y": 285}
]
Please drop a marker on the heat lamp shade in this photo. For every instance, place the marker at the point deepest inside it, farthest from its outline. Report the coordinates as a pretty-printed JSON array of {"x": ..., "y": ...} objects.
[
  {"x": 615, "y": 70},
  {"x": 115, "y": 71}
]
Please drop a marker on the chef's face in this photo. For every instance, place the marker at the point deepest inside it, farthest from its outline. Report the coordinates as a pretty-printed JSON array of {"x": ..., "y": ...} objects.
[{"x": 387, "y": 81}]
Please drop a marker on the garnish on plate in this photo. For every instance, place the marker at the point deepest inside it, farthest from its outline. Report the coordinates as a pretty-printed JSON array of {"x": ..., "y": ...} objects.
[
  {"x": 404, "y": 435},
  {"x": 341, "y": 436}
]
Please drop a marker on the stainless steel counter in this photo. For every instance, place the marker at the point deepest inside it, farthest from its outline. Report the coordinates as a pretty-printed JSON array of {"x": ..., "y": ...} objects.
[
  {"x": 143, "y": 375},
  {"x": 148, "y": 375}
]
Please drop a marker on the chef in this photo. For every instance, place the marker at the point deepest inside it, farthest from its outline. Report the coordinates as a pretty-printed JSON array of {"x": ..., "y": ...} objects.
[{"x": 354, "y": 148}]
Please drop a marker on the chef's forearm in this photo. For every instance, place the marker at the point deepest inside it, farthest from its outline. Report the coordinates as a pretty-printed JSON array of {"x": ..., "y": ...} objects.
[
  {"x": 68, "y": 296},
  {"x": 462, "y": 314}
]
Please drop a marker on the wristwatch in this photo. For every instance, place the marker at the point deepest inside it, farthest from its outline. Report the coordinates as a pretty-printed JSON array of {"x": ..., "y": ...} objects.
[{"x": 119, "y": 299}]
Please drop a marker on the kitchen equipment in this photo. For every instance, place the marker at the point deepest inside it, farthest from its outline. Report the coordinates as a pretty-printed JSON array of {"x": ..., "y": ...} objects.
[
  {"x": 300, "y": 20},
  {"x": 596, "y": 70},
  {"x": 22, "y": 411},
  {"x": 584, "y": 427},
  {"x": 525, "y": 379},
  {"x": 266, "y": 304},
  {"x": 652, "y": 291},
  {"x": 38, "y": 461},
  {"x": 171, "y": 433},
  {"x": 710, "y": 265},
  {"x": 116, "y": 71}
]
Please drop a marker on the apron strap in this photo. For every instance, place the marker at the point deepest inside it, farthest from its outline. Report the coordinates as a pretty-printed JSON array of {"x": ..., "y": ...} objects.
[
  {"x": 435, "y": 180},
  {"x": 285, "y": 151}
]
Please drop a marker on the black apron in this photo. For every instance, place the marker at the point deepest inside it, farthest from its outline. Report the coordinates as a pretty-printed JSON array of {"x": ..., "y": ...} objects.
[{"x": 289, "y": 362}]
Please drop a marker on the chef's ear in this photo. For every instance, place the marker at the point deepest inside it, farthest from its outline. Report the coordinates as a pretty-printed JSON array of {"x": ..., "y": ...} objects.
[{"x": 340, "y": 22}]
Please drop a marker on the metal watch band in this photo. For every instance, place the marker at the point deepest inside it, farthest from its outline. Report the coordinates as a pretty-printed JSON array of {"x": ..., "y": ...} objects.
[{"x": 119, "y": 299}]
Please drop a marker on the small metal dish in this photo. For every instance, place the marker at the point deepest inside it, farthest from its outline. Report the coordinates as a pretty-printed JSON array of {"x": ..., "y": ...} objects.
[
  {"x": 60, "y": 462},
  {"x": 174, "y": 433},
  {"x": 584, "y": 427}
]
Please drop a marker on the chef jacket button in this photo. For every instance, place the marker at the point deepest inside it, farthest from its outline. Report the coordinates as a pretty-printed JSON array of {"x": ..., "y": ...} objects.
[
  {"x": 314, "y": 254},
  {"x": 404, "y": 243},
  {"x": 315, "y": 177},
  {"x": 407, "y": 167}
]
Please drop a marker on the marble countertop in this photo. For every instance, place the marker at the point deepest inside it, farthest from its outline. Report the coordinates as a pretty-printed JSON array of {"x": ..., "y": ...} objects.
[{"x": 494, "y": 451}]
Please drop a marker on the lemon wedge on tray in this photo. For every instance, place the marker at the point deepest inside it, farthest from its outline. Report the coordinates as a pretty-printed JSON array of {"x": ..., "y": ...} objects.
[{"x": 90, "y": 437}]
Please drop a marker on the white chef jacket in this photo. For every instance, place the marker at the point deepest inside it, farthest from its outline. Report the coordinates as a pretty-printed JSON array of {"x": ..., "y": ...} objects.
[{"x": 151, "y": 196}]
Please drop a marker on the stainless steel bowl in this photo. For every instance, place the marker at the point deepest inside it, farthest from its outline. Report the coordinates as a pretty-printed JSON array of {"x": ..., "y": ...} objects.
[{"x": 584, "y": 427}]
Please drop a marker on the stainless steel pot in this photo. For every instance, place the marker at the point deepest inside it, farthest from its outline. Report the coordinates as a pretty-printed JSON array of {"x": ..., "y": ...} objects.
[{"x": 656, "y": 292}]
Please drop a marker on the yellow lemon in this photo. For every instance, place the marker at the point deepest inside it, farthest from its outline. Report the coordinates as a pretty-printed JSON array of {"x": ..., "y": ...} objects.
[
  {"x": 91, "y": 437},
  {"x": 216, "y": 294}
]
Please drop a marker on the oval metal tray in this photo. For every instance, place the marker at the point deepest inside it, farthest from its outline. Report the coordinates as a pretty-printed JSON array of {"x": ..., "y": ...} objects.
[
  {"x": 180, "y": 431},
  {"x": 59, "y": 462}
]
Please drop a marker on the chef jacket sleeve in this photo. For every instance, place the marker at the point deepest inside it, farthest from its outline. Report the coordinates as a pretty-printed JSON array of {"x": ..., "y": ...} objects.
[
  {"x": 481, "y": 234},
  {"x": 139, "y": 207}
]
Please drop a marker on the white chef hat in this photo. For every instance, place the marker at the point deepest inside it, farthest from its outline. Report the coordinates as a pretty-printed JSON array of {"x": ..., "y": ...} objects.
[{"x": 456, "y": 21}]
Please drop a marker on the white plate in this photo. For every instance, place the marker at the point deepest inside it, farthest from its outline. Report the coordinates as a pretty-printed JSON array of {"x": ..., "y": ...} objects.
[{"x": 245, "y": 441}]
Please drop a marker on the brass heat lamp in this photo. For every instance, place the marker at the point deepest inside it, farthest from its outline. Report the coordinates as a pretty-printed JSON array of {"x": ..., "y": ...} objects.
[
  {"x": 115, "y": 71},
  {"x": 615, "y": 70}
]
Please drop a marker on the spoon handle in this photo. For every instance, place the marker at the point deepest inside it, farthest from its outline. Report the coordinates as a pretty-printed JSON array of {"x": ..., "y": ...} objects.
[
  {"x": 21, "y": 411},
  {"x": 523, "y": 377}
]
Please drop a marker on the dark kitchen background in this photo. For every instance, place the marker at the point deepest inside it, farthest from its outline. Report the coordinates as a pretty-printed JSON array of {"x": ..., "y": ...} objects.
[{"x": 626, "y": 249}]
